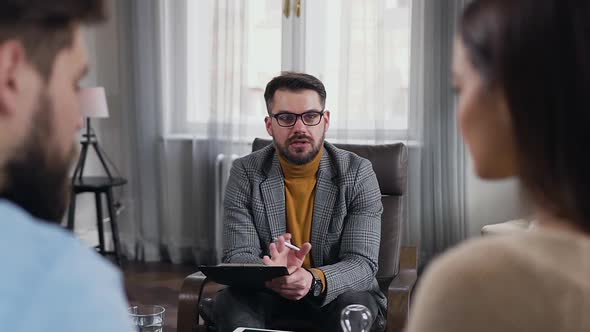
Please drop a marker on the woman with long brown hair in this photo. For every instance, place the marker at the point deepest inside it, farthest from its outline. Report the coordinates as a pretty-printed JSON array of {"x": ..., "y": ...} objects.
[{"x": 522, "y": 73}]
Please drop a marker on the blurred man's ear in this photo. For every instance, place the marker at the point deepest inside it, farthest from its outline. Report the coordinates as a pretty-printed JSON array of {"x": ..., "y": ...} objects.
[{"x": 12, "y": 59}]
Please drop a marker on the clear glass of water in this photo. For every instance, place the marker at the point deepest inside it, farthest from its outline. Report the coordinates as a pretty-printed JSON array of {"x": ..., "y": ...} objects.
[
  {"x": 148, "y": 318},
  {"x": 356, "y": 318}
]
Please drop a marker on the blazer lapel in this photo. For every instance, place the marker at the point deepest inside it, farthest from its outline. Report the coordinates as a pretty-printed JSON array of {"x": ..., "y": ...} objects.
[
  {"x": 325, "y": 199},
  {"x": 273, "y": 195}
]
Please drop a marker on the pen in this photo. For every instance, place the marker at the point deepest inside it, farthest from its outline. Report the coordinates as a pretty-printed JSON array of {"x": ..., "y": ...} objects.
[{"x": 287, "y": 244}]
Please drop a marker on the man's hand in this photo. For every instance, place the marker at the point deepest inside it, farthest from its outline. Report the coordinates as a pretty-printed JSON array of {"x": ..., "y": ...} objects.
[
  {"x": 280, "y": 255},
  {"x": 293, "y": 287},
  {"x": 297, "y": 284}
]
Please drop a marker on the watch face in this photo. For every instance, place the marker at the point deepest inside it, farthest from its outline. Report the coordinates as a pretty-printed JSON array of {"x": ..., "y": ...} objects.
[{"x": 317, "y": 287}]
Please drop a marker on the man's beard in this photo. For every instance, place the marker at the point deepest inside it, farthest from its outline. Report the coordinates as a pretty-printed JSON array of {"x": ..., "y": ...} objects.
[
  {"x": 34, "y": 179},
  {"x": 298, "y": 159}
]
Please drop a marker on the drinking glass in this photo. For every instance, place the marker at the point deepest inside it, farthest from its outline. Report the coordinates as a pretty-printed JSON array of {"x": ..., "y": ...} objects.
[
  {"x": 356, "y": 318},
  {"x": 147, "y": 318}
]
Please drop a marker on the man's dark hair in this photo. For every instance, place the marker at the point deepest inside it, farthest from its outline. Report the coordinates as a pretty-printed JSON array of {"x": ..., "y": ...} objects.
[
  {"x": 45, "y": 27},
  {"x": 537, "y": 54},
  {"x": 292, "y": 81}
]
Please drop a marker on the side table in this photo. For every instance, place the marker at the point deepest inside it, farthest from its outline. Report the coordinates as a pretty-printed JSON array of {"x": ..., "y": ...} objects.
[{"x": 99, "y": 185}]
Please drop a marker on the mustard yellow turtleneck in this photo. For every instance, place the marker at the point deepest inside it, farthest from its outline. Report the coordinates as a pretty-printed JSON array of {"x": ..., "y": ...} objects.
[{"x": 300, "y": 188}]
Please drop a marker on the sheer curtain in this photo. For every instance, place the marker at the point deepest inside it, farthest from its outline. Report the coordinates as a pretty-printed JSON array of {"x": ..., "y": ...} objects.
[
  {"x": 200, "y": 68},
  {"x": 361, "y": 51},
  {"x": 390, "y": 65},
  {"x": 218, "y": 56},
  {"x": 213, "y": 108}
]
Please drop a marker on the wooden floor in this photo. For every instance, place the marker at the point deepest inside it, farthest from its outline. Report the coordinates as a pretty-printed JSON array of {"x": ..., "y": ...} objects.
[{"x": 156, "y": 283}]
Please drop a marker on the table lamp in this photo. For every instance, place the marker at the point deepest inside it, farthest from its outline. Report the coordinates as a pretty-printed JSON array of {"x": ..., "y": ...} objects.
[{"x": 93, "y": 104}]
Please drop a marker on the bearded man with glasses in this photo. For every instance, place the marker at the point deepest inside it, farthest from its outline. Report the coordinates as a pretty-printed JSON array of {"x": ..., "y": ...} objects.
[{"x": 303, "y": 191}]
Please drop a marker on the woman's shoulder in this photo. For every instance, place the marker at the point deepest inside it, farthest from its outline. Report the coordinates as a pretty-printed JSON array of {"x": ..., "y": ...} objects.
[
  {"x": 492, "y": 251},
  {"x": 501, "y": 279},
  {"x": 505, "y": 257},
  {"x": 495, "y": 255},
  {"x": 479, "y": 260}
]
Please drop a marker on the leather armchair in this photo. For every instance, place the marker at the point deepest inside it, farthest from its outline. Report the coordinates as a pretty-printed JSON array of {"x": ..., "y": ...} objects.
[{"x": 397, "y": 265}]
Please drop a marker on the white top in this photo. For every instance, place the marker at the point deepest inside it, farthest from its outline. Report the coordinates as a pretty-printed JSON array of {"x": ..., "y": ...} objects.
[{"x": 534, "y": 281}]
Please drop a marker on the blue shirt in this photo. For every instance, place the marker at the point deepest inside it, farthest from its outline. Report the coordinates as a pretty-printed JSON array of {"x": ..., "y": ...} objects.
[{"x": 49, "y": 281}]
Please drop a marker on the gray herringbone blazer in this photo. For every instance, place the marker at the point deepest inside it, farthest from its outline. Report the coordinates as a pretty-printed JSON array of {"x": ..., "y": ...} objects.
[{"x": 346, "y": 226}]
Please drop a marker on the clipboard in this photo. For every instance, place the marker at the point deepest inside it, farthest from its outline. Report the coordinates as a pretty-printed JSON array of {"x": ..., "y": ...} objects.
[{"x": 243, "y": 275}]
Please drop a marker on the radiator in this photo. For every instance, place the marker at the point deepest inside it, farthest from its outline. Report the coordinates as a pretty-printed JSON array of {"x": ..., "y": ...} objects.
[{"x": 223, "y": 164}]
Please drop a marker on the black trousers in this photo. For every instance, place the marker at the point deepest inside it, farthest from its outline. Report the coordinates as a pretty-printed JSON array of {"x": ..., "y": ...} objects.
[{"x": 235, "y": 307}]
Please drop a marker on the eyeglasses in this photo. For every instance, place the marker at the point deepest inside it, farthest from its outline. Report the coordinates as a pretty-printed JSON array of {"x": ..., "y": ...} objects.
[{"x": 287, "y": 119}]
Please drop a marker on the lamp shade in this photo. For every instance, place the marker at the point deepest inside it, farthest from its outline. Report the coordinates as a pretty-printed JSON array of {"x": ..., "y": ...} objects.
[{"x": 93, "y": 103}]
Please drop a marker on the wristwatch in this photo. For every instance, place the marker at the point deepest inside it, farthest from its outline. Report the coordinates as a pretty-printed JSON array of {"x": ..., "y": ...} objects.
[{"x": 316, "y": 284}]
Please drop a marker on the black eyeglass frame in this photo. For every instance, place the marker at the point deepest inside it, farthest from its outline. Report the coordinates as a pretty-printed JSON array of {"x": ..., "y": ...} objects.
[{"x": 297, "y": 116}]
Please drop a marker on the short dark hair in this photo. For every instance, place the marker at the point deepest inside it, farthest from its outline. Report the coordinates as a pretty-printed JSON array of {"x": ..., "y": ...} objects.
[
  {"x": 45, "y": 27},
  {"x": 537, "y": 54},
  {"x": 292, "y": 81}
]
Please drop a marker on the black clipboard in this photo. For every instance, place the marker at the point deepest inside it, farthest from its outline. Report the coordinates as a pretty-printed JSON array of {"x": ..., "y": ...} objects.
[{"x": 243, "y": 275}]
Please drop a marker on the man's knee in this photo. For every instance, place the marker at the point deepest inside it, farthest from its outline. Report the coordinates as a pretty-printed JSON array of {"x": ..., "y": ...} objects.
[
  {"x": 228, "y": 297},
  {"x": 238, "y": 307}
]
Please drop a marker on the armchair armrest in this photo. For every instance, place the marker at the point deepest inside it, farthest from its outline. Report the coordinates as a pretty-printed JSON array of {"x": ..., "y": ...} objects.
[
  {"x": 398, "y": 299},
  {"x": 400, "y": 289},
  {"x": 188, "y": 301}
]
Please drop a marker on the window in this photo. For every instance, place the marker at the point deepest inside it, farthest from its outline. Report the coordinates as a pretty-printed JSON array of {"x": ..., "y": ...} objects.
[{"x": 220, "y": 54}]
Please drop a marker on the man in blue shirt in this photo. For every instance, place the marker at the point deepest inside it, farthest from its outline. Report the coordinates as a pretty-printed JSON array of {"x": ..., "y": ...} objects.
[{"x": 49, "y": 281}]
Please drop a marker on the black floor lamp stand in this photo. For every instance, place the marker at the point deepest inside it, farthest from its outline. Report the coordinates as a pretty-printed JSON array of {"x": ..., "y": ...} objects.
[{"x": 89, "y": 139}]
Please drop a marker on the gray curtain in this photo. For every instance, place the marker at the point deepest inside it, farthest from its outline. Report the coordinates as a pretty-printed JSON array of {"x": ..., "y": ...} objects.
[
  {"x": 142, "y": 231},
  {"x": 437, "y": 206},
  {"x": 172, "y": 178}
]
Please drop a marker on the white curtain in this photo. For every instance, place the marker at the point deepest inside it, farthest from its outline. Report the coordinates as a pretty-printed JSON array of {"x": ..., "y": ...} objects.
[
  {"x": 206, "y": 112},
  {"x": 383, "y": 96},
  {"x": 391, "y": 68},
  {"x": 197, "y": 100},
  {"x": 361, "y": 51}
]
